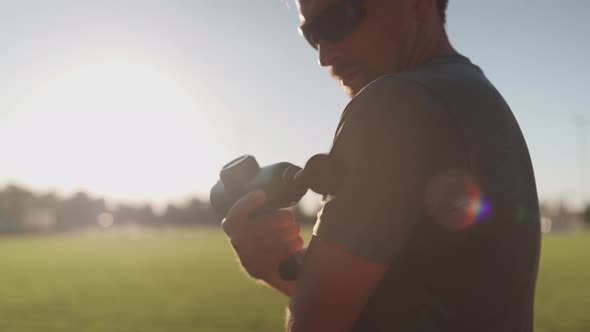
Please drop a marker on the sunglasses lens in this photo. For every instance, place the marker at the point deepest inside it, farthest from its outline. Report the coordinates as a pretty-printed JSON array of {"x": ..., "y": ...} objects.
[
  {"x": 334, "y": 24},
  {"x": 309, "y": 36}
]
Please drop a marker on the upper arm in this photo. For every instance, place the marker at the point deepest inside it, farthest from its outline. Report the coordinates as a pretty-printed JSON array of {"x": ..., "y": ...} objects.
[
  {"x": 332, "y": 288},
  {"x": 387, "y": 142},
  {"x": 390, "y": 143}
]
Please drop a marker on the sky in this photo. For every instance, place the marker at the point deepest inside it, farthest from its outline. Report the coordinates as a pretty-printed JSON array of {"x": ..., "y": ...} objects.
[{"x": 147, "y": 100}]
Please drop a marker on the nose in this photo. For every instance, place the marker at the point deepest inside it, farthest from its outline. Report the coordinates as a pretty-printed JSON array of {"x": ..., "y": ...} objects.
[{"x": 328, "y": 53}]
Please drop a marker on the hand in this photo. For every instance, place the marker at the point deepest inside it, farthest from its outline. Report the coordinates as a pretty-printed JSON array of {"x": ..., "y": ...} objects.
[{"x": 264, "y": 241}]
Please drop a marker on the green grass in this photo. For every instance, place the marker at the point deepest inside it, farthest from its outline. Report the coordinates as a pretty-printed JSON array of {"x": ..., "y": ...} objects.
[
  {"x": 187, "y": 280},
  {"x": 563, "y": 286}
]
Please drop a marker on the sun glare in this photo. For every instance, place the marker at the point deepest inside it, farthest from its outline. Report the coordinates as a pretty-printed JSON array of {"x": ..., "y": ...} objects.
[{"x": 119, "y": 128}]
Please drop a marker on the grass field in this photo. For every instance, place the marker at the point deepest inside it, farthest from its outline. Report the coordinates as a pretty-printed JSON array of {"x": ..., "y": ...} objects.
[{"x": 187, "y": 280}]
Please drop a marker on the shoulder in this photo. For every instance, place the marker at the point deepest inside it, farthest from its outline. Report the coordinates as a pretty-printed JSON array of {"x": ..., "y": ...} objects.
[
  {"x": 395, "y": 92},
  {"x": 391, "y": 104},
  {"x": 393, "y": 96}
]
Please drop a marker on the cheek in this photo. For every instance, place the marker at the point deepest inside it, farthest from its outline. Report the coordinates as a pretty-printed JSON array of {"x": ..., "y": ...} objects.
[
  {"x": 378, "y": 53},
  {"x": 390, "y": 34},
  {"x": 392, "y": 54}
]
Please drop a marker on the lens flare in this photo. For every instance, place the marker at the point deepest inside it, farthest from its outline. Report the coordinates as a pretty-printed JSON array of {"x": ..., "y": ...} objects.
[
  {"x": 455, "y": 200},
  {"x": 479, "y": 207}
]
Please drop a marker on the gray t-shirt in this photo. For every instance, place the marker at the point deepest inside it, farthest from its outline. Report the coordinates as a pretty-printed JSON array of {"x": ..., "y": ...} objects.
[{"x": 439, "y": 185}]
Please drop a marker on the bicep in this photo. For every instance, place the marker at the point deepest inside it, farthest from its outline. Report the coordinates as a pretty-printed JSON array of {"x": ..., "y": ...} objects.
[
  {"x": 386, "y": 154},
  {"x": 332, "y": 289}
]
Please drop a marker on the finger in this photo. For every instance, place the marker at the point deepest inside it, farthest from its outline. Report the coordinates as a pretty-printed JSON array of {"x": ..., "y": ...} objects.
[
  {"x": 280, "y": 241},
  {"x": 285, "y": 249},
  {"x": 264, "y": 227},
  {"x": 243, "y": 207},
  {"x": 275, "y": 220},
  {"x": 296, "y": 245},
  {"x": 279, "y": 230},
  {"x": 284, "y": 218},
  {"x": 289, "y": 233}
]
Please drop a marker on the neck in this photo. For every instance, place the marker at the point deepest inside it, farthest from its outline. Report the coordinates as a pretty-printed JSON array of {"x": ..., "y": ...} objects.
[
  {"x": 443, "y": 47},
  {"x": 430, "y": 45}
]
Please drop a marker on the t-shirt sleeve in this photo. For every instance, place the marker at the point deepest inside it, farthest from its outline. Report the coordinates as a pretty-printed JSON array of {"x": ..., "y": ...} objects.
[{"x": 388, "y": 142}]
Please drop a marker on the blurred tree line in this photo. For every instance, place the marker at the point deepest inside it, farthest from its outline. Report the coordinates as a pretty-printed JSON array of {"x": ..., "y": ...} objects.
[{"x": 22, "y": 210}]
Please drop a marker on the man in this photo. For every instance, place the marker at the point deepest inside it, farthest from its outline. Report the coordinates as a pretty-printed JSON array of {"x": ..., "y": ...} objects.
[{"x": 436, "y": 225}]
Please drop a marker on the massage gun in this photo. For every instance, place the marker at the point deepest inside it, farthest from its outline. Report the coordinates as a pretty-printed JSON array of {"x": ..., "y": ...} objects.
[{"x": 284, "y": 185}]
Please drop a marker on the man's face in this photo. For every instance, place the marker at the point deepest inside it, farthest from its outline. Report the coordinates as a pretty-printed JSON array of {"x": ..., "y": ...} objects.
[{"x": 378, "y": 45}]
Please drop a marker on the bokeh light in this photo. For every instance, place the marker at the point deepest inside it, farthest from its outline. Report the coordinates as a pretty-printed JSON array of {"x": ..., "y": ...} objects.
[{"x": 105, "y": 220}]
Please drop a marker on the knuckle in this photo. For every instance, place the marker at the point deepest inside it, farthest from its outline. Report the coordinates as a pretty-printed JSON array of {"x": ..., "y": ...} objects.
[
  {"x": 293, "y": 230},
  {"x": 283, "y": 219},
  {"x": 225, "y": 225},
  {"x": 288, "y": 215},
  {"x": 296, "y": 244}
]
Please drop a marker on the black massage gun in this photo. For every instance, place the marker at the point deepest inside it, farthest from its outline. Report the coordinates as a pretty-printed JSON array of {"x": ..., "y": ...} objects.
[{"x": 284, "y": 185}]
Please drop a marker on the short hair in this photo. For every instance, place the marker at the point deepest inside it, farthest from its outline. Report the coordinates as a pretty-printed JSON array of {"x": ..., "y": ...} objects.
[{"x": 442, "y": 9}]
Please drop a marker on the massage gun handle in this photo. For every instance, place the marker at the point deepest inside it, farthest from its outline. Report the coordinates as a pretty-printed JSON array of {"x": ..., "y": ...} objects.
[{"x": 289, "y": 268}]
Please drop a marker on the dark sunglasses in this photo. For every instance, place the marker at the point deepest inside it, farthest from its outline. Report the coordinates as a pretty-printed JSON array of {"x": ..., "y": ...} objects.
[{"x": 334, "y": 23}]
